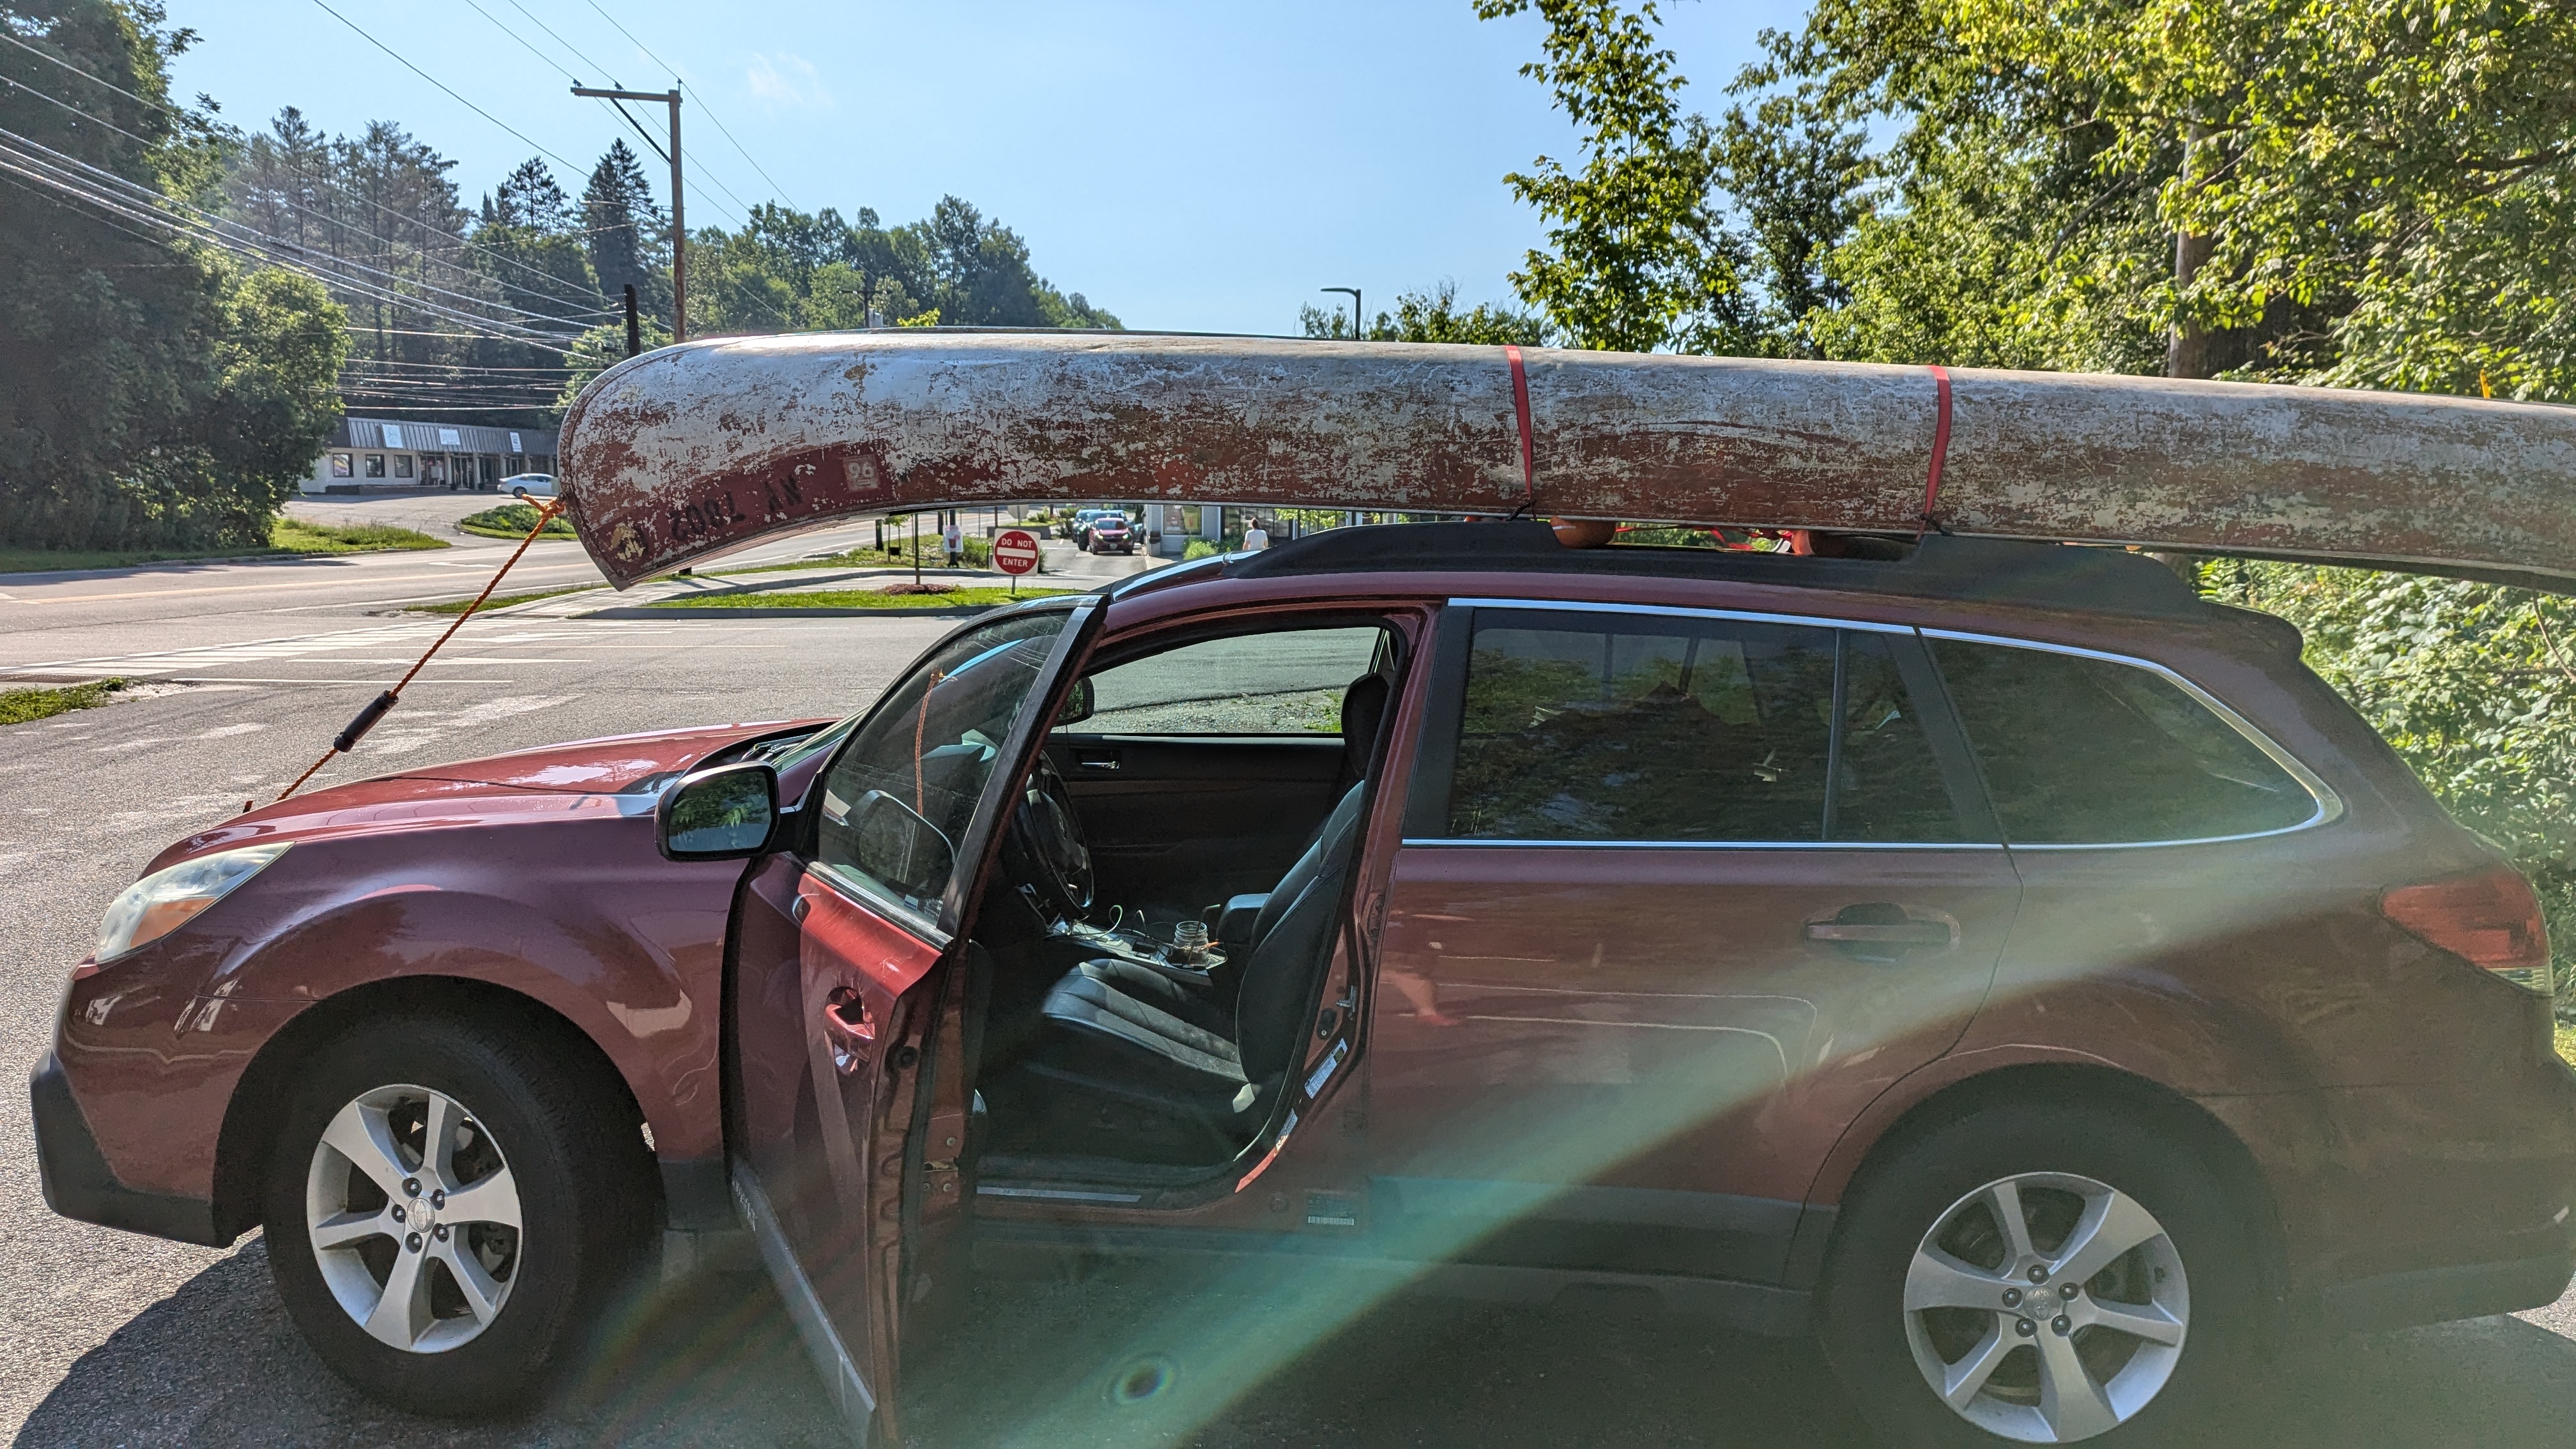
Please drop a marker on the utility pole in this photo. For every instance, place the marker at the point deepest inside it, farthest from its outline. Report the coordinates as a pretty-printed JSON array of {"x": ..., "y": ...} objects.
[
  {"x": 634, "y": 323},
  {"x": 679, "y": 224},
  {"x": 1356, "y": 313}
]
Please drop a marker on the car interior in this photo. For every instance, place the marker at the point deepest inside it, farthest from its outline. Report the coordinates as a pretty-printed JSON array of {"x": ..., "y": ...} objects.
[{"x": 1171, "y": 883}]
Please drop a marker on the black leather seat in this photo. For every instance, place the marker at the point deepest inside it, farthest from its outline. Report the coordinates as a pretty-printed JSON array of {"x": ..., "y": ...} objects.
[
  {"x": 1130, "y": 1033},
  {"x": 1243, "y": 920},
  {"x": 1166, "y": 1039}
]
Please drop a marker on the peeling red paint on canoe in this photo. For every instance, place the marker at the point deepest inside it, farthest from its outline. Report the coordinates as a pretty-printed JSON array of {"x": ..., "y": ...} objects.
[{"x": 689, "y": 452}]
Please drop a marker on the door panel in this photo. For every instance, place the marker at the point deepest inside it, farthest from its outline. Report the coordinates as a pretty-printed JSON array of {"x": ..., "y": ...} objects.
[
  {"x": 1637, "y": 1058},
  {"x": 831, "y": 1008},
  {"x": 1215, "y": 815}
]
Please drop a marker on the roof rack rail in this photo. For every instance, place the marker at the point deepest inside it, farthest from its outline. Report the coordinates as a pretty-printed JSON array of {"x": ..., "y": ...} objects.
[{"x": 1983, "y": 570}]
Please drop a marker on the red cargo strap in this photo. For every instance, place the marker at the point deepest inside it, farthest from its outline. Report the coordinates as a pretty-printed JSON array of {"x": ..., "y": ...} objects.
[
  {"x": 1940, "y": 454},
  {"x": 1520, "y": 409}
]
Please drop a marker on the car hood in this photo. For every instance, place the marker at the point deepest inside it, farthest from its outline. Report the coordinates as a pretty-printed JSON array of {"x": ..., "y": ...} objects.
[{"x": 620, "y": 774}]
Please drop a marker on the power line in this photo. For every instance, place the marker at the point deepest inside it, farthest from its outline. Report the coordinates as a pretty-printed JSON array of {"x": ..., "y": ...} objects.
[
  {"x": 567, "y": 45},
  {"x": 702, "y": 105},
  {"x": 324, "y": 181},
  {"x": 248, "y": 242},
  {"x": 442, "y": 85},
  {"x": 523, "y": 43},
  {"x": 157, "y": 198}
]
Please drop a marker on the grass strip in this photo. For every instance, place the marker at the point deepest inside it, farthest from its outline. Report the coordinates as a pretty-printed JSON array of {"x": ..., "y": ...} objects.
[
  {"x": 852, "y": 599},
  {"x": 287, "y": 538},
  {"x": 301, "y": 536},
  {"x": 17, "y": 706},
  {"x": 497, "y": 601},
  {"x": 513, "y": 520}
]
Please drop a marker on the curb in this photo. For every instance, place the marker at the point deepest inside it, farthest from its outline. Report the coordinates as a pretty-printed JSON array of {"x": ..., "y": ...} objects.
[{"x": 648, "y": 611}]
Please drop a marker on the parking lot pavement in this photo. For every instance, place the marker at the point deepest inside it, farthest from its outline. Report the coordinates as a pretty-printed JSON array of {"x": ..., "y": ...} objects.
[{"x": 122, "y": 1339}]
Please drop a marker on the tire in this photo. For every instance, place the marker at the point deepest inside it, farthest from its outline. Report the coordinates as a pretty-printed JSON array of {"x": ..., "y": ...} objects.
[
  {"x": 532, "y": 1137},
  {"x": 1925, "y": 1228}
]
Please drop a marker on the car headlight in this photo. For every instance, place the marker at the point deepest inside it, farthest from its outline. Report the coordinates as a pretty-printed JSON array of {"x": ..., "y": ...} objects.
[{"x": 165, "y": 900}]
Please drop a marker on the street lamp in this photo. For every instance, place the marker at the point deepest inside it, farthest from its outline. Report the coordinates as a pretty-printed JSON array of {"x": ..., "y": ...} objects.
[{"x": 1354, "y": 294}]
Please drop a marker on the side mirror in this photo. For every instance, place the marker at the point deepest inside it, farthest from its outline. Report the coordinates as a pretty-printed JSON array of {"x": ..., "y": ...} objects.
[
  {"x": 899, "y": 847},
  {"x": 1077, "y": 703},
  {"x": 721, "y": 814}
]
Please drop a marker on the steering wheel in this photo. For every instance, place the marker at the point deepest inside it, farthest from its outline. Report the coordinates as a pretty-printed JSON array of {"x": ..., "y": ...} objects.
[{"x": 1046, "y": 845}]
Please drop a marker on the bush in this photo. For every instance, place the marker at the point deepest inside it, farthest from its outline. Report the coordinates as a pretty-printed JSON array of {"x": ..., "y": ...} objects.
[
  {"x": 1199, "y": 548},
  {"x": 2474, "y": 685},
  {"x": 513, "y": 520}
]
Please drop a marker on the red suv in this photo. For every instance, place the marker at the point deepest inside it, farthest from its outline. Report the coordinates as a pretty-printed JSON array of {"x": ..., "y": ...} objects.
[{"x": 1991, "y": 959}]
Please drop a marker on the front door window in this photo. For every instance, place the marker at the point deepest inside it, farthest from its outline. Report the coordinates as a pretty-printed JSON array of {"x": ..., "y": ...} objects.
[{"x": 896, "y": 804}]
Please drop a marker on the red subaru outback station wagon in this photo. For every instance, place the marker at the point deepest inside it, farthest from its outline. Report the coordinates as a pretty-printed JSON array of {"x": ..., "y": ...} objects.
[{"x": 1990, "y": 959}]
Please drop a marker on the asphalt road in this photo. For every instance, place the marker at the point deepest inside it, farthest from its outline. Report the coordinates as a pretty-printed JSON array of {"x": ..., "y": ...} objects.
[{"x": 118, "y": 1339}]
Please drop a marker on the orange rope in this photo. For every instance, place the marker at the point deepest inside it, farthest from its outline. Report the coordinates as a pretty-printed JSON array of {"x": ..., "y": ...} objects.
[{"x": 367, "y": 717}]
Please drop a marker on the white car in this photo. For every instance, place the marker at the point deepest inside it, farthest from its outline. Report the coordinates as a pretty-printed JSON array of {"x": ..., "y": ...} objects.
[{"x": 529, "y": 485}]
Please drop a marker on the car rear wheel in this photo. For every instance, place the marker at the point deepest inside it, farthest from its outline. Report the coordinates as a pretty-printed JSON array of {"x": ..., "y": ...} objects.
[
  {"x": 2040, "y": 1275},
  {"x": 445, "y": 1207}
]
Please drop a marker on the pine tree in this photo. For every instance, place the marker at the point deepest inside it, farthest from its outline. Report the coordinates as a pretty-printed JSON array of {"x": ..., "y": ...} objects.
[
  {"x": 530, "y": 197},
  {"x": 625, "y": 229}
]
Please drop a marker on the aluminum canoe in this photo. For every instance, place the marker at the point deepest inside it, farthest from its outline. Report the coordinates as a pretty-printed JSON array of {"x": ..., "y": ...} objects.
[{"x": 690, "y": 452}]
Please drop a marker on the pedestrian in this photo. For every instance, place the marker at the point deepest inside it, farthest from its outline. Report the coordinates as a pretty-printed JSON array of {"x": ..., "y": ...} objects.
[
  {"x": 955, "y": 538},
  {"x": 1255, "y": 537}
]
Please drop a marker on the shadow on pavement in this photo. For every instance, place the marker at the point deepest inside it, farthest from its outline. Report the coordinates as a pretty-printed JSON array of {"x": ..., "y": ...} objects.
[{"x": 219, "y": 1363}]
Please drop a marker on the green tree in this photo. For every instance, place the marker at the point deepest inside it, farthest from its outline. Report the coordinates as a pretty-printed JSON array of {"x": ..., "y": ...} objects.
[
  {"x": 140, "y": 403},
  {"x": 785, "y": 270},
  {"x": 627, "y": 235},
  {"x": 1641, "y": 256},
  {"x": 2475, "y": 686},
  {"x": 1434, "y": 316}
]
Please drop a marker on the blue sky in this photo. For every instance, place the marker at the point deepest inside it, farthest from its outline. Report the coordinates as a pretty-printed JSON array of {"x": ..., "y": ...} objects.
[{"x": 1202, "y": 166}]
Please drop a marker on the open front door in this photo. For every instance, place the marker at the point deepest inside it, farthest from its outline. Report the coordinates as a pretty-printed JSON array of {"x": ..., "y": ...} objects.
[
  {"x": 849, "y": 1078},
  {"x": 826, "y": 1195}
]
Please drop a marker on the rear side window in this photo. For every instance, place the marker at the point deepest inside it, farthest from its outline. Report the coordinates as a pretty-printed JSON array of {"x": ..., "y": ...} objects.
[
  {"x": 1679, "y": 729},
  {"x": 2081, "y": 751}
]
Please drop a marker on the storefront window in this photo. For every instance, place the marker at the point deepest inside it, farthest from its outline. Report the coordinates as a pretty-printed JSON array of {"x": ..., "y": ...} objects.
[
  {"x": 341, "y": 465},
  {"x": 402, "y": 465},
  {"x": 375, "y": 465}
]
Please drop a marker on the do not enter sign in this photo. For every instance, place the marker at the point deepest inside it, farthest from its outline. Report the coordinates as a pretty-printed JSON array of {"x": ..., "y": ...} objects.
[{"x": 1015, "y": 551}]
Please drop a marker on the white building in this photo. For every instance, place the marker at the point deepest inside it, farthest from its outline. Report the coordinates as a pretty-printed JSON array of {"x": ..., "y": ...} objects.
[{"x": 376, "y": 454}]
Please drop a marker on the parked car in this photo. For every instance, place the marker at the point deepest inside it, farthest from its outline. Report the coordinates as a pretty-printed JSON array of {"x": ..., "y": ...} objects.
[
  {"x": 529, "y": 485},
  {"x": 1077, "y": 524},
  {"x": 1997, "y": 962},
  {"x": 1109, "y": 533}
]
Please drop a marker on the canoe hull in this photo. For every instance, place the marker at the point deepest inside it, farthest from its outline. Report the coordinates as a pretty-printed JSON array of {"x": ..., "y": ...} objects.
[{"x": 684, "y": 454}]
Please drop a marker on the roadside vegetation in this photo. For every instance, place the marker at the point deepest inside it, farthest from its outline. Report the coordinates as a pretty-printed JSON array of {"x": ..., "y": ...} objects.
[
  {"x": 513, "y": 520},
  {"x": 499, "y": 601},
  {"x": 898, "y": 597},
  {"x": 18, "y": 706},
  {"x": 287, "y": 538},
  {"x": 2475, "y": 687}
]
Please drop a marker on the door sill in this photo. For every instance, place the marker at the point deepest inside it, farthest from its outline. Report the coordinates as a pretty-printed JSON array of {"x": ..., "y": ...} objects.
[
  {"x": 1759, "y": 1308},
  {"x": 832, "y": 1361}
]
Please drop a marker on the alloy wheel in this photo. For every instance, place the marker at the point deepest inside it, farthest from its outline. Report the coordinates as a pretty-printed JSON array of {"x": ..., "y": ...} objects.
[
  {"x": 414, "y": 1218},
  {"x": 2046, "y": 1307}
]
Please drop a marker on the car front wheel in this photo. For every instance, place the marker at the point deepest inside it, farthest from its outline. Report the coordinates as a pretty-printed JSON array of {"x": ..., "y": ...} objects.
[
  {"x": 445, "y": 1207},
  {"x": 2042, "y": 1275}
]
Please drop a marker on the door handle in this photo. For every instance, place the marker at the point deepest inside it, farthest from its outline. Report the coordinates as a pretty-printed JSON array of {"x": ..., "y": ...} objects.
[
  {"x": 849, "y": 1027},
  {"x": 1884, "y": 931},
  {"x": 848, "y": 1011},
  {"x": 1094, "y": 760}
]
